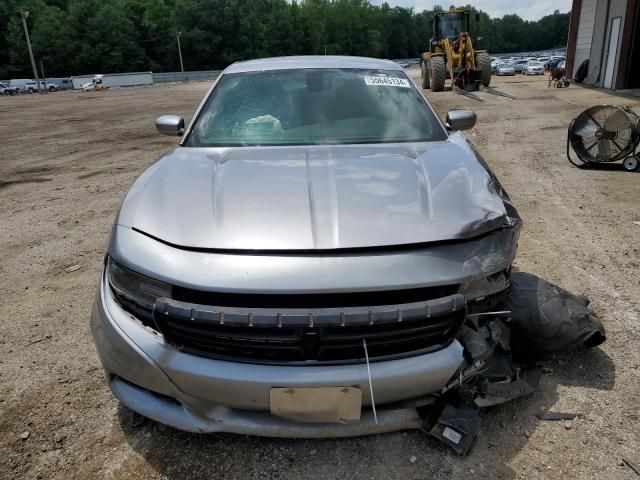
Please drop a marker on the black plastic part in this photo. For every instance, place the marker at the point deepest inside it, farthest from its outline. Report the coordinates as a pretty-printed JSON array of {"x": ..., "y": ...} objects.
[
  {"x": 457, "y": 426},
  {"x": 582, "y": 72},
  {"x": 309, "y": 336},
  {"x": 524, "y": 385},
  {"x": 313, "y": 300}
]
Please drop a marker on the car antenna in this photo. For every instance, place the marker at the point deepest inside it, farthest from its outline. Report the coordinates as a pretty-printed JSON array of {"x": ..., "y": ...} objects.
[{"x": 373, "y": 403}]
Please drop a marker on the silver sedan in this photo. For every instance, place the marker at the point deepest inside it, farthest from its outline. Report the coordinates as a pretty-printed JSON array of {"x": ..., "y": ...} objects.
[
  {"x": 533, "y": 68},
  {"x": 302, "y": 263},
  {"x": 505, "y": 69}
]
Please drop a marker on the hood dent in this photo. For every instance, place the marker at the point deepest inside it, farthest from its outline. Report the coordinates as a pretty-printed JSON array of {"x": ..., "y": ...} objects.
[{"x": 324, "y": 197}]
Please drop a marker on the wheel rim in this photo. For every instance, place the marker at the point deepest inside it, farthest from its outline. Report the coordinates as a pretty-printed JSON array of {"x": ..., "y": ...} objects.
[{"x": 630, "y": 163}]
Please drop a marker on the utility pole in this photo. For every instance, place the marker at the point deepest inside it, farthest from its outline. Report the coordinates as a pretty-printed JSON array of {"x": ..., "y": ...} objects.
[
  {"x": 44, "y": 77},
  {"x": 180, "y": 50},
  {"x": 24, "y": 15}
]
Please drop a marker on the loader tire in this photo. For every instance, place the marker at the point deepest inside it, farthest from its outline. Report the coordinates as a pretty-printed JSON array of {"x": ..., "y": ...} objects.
[
  {"x": 483, "y": 63},
  {"x": 424, "y": 74},
  {"x": 438, "y": 73}
]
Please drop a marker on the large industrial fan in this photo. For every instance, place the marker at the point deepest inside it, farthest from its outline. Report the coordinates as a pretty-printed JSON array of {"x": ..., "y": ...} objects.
[{"x": 605, "y": 133}]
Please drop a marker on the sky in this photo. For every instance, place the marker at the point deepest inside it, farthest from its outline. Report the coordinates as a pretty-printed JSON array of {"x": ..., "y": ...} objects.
[{"x": 527, "y": 9}]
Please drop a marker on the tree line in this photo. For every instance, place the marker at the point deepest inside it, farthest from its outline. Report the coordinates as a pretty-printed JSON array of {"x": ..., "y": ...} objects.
[{"x": 105, "y": 36}]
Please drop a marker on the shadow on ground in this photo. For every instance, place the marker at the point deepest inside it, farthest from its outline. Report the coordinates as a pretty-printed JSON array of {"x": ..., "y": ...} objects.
[
  {"x": 607, "y": 167},
  {"x": 179, "y": 455}
]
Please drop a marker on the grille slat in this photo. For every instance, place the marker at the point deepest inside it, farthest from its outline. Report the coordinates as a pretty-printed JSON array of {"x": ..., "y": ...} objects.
[
  {"x": 384, "y": 334},
  {"x": 205, "y": 330}
]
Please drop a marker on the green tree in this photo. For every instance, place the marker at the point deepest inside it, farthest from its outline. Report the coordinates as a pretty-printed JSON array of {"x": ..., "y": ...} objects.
[{"x": 90, "y": 36}]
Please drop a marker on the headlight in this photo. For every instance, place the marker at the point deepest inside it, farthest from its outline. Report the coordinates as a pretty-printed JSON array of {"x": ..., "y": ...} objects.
[
  {"x": 135, "y": 292},
  {"x": 479, "y": 289}
]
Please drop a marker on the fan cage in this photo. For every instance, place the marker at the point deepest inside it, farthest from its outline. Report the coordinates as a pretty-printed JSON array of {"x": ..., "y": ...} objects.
[{"x": 617, "y": 126}]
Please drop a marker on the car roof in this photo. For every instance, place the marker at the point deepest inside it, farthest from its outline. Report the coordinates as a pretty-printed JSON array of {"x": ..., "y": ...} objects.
[{"x": 312, "y": 61}]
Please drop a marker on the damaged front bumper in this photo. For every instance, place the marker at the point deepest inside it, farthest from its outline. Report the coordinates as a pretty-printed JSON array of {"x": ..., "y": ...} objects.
[
  {"x": 207, "y": 395},
  {"x": 439, "y": 391}
]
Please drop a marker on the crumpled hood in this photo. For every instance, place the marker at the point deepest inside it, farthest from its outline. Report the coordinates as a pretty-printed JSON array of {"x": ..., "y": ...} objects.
[{"x": 315, "y": 197}]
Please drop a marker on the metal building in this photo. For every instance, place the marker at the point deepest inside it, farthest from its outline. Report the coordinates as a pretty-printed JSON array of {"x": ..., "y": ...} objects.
[{"x": 607, "y": 33}]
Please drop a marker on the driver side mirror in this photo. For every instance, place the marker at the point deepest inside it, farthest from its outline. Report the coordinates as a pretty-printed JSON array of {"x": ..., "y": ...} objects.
[
  {"x": 460, "y": 120},
  {"x": 172, "y": 125}
]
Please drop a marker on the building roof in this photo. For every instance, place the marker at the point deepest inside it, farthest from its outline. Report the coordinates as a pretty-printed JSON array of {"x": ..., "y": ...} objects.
[{"x": 317, "y": 61}]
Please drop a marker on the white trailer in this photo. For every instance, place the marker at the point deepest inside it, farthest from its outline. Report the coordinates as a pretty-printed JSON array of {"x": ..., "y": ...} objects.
[{"x": 116, "y": 79}]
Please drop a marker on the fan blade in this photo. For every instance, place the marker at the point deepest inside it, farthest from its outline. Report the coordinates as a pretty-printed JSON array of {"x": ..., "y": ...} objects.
[
  {"x": 584, "y": 127},
  {"x": 592, "y": 117},
  {"x": 617, "y": 121},
  {"x": 604, "y": 150},
  {"x": 620, "y": 148}
]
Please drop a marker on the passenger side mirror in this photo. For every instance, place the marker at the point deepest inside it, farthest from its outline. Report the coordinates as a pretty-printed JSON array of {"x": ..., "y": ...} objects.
[
  {"x": 172, "y": 125},
  {"x": 460, "y": 120}
]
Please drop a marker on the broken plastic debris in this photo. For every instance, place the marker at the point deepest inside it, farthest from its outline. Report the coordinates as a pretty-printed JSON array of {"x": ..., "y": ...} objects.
[{"x": 555, "y": 416}]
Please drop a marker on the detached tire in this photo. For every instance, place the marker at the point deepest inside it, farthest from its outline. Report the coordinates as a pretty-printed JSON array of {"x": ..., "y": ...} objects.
[
  {"x": 483, "y": 63},
  {"x": 424, "y": 74},
  {"x": 438, "y": 73}
]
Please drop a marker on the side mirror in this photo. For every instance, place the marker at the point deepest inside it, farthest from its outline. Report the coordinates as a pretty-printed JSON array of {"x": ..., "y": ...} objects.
[
  {"x": 460, "y": 120},
  {"x": 172, "y": 125}
]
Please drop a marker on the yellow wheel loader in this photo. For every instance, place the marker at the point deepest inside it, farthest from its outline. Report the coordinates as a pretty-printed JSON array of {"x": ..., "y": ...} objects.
[{"x": 452, "y": 55}]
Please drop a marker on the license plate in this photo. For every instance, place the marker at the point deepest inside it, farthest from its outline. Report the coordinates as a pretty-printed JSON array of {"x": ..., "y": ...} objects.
[{"x": 318, "y": 405}]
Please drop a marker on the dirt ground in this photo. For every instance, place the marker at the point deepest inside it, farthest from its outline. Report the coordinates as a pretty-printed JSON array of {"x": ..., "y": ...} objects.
[{"x": 66, "y": 161}]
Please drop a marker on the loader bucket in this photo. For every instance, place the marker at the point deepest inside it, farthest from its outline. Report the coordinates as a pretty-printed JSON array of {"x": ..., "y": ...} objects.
[{"x": 467, "y": 80}]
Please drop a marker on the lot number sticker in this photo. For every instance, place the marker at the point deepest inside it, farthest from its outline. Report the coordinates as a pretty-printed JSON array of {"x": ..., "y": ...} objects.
[
  {"x": 452, "y": 435},
  {"x": 387, "y": 81}
]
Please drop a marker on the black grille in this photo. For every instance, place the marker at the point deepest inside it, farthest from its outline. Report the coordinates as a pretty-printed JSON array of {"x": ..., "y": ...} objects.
[
  {"x": 207, "y": 333},
  {"x": 313, "y": 300}
]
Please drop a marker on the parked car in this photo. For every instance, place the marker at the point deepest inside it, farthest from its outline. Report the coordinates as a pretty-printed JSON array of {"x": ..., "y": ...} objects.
[
  {"x": 61, "y": 83},
  {"x": 553, "y": 63},
  {"x": 19, "y": 83},
  {"x": 404, "y": 64},
  {"x": 316, "y": 231},
  {"x": 505, "y": 69},
  {"x": 33, "y": 86},
  {"x": 533, "y": 68},
  {"x": 518, "y": 65},
  {"x": 7, "y": 90}
]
